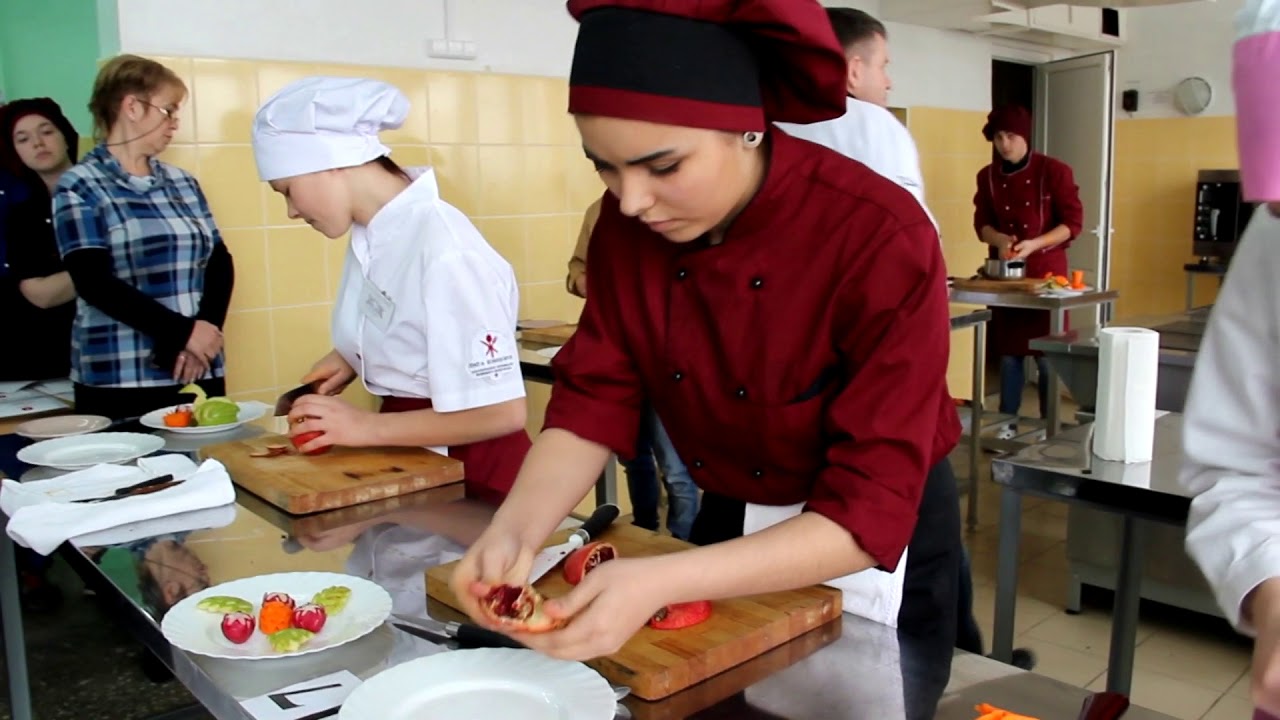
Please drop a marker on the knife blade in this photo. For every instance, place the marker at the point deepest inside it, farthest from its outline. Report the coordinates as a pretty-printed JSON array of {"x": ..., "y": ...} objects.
[
  {"x": 548, "y": 558},
  {"x": 465, "y": 634},
  {"x": 285, "y": 402}
]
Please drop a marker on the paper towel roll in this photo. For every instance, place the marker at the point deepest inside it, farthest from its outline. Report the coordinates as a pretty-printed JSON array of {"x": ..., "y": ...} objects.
[{"x": 1128, "y": 362}]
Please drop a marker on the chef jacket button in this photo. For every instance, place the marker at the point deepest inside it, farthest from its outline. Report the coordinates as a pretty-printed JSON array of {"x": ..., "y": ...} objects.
[
  {"x": 757, "y": 473},
  {"x": 1006, "y": 207},
  {"x": 697, "y": 464},
  {"x": 757, "y": 283},
  {"x": 1028, "y": 203},
  {"x": 677, "y": 376},
  {"x": 682, "y": 274},
  {"x": 740, "y": 392}
]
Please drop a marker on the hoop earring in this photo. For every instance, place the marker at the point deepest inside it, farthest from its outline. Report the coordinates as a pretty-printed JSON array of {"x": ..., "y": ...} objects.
[{"x": 752, "y": 139}]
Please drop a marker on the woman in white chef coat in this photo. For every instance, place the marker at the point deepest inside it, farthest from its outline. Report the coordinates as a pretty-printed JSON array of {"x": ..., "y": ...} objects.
[
  {"x": 426, "y": 310},
  {"x": 1232, "y": 417}
]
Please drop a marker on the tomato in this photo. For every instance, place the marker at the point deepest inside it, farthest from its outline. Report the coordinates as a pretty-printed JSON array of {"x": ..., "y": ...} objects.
[
  {"x": 681, "y": 615},
  {"x": 306, "y": 437},
  {"x": 518, "y": 608},
  {"x": 585, "y": 559}
]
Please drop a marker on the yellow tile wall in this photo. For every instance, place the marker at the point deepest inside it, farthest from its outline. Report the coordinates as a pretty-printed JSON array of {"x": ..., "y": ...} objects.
[
  {"x": 952, "y": 151},
  {"x": 1156, "y": 161}
]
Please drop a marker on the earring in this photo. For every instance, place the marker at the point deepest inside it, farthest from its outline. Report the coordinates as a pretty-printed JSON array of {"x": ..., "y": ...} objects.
[{"x": 752, "y": 138}]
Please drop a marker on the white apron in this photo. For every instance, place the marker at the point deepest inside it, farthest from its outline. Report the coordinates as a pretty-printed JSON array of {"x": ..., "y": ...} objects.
[
  {"x": 871, "y": 594},
  {"x": 397, "y": 558}
]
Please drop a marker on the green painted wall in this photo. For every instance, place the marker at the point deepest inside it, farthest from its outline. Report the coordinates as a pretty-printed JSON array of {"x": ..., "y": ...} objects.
[{"x": 50, "y": 48}]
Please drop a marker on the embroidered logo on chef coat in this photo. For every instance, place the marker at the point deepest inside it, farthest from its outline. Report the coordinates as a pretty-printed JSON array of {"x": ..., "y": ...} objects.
[{"x": 492, "y": 356}]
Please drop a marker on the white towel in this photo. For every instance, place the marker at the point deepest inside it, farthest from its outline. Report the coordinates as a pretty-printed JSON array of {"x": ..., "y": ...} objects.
[
  {"x": 871, "y": 594},
  {"x": 44, "y": 514}
]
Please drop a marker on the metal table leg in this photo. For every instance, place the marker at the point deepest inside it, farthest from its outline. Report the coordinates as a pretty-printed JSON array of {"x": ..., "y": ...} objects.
[
  {"x": 1007, "y": 574},
  {"x": 1124, "y": 620},
  {"x": 15, "y": 646},
  {"x": 975, "y": 419},
  {"x": 1057, "y": 320},
  {"x": 607, "y": 485}
]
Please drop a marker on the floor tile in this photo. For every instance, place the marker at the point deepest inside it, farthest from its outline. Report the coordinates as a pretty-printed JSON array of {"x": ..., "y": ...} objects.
[
  {"x": 1061, "y": 663},
  {"x": 1090, "y": 632},
  {"x": 1241, "y": 687},
  {"x": 1198, "y": 658},
  {"x": 1230, "y": 707},
  {"x": 1165, "y": 694}
]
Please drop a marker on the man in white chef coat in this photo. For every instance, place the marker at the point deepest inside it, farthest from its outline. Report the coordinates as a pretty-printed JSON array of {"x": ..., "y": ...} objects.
[
  {"x": 868, "y": 132},
  {"x": 1231, "y": 428}
]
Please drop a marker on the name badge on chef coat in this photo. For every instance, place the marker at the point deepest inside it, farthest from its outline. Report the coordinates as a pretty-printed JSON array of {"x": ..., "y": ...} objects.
[{"x": 376, "y": 305}]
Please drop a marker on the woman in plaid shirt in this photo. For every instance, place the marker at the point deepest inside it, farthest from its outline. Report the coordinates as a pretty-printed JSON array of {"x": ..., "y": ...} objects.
[{"x": 153, "y": 275}]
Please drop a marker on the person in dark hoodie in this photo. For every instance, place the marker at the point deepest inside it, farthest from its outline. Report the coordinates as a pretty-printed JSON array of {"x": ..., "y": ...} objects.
[{"x": 37, "y": 145}]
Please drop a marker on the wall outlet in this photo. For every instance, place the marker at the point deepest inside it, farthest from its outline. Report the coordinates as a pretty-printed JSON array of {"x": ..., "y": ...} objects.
[{"x": 452, "y": 49}]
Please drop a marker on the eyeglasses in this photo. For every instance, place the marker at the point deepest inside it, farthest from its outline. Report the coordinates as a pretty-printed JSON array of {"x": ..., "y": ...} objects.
[{"x": 170, "y": 114}]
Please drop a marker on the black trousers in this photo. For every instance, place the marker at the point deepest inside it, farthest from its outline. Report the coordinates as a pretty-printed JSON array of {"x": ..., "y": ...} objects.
[
  {"x": 120, "y": 403},
  {"x": 929, "y": 619}
]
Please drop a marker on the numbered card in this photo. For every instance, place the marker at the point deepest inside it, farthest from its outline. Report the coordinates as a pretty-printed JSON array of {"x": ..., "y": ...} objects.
[{"x": 310, "y": 700}]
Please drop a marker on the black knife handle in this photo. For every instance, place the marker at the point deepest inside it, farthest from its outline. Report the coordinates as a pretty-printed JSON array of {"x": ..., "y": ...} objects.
[
  {"x": 474, "y": 636},
  {"x": 602, "y": 518}
]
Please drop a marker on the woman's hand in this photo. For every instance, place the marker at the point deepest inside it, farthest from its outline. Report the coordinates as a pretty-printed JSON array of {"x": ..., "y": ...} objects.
[
  {"x": 332, "y": 372},
  {"x": 605, "y": 610},
  {"x": 499, "y": 556},
  {"x": 189, "y": 368},
  {"x": 340, "y": 422},
  {"x": 205, "y": 341},
  {"x": 1024, "y": 249}
]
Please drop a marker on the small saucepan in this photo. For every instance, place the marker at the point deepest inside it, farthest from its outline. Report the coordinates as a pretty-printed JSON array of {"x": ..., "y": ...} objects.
[{"x": 997, "y": 269}]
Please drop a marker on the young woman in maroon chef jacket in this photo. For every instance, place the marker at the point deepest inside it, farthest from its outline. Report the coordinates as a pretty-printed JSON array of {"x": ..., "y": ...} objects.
[
  {"x": 782, "y": 307},
  {"x": 1027, "y": 207}
]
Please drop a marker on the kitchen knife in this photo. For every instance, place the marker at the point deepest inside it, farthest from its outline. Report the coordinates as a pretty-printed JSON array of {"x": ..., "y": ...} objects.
[
  {"x": 599, "y": 521},
  {"x": 285, "y": 402},
  {"x": 465, "y": 634}
]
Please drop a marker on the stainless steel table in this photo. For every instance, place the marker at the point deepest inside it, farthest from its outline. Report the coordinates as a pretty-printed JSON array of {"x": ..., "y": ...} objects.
[
  {"x": 1057, "y": 308},
  {"x": 1064, "y": 468}
]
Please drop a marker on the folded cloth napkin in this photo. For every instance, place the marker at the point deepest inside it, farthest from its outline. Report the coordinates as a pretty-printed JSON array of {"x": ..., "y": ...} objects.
[{"x": 46, "y": 513}]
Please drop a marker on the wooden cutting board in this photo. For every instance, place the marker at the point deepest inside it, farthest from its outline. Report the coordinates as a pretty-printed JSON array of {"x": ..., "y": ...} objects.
[
  {"x": 658, "y": 663},
  {"x": 342, "y": 477},
  {"x": 1026, "y": 285},
  {"x": 557, "y": 335}
]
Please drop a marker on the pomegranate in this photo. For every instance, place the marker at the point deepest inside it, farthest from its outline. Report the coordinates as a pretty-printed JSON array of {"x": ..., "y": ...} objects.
[
  {"x": 237, "y": 627},
  {"x": 518, "y": 609},
  {"x": 587, "y": 558},
  {"x": 681, "y": 615}
]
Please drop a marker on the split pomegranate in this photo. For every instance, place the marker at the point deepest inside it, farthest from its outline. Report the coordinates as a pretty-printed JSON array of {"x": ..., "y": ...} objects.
[
  {"x": 587, "y": 558},
  {"x": 681, "y": 615},
  {"x": 518, "y": 608}
]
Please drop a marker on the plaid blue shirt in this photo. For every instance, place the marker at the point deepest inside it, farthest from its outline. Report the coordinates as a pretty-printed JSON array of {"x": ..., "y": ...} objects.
[{"x": 160, "y": 233}]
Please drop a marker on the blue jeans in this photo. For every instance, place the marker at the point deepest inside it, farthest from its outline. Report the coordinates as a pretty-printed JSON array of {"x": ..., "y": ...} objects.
[
  {"x": 642, "y": 480},
  {"x": 1013, "y": 378}
]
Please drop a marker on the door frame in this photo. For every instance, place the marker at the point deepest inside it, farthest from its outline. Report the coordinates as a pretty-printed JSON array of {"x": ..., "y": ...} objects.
[{"x": 1106, "y": 219}]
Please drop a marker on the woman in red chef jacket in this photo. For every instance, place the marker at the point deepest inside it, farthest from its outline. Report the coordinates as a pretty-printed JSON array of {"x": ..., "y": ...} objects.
[
  {"x": 782, "y": 307},
  {"x": 1027, "y": 207}
]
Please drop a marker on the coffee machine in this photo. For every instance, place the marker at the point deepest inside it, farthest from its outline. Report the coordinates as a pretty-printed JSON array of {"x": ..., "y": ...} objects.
[{"x": 1221, "y": 215}]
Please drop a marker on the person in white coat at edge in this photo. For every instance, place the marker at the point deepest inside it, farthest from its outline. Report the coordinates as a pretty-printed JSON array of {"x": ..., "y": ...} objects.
[
  {"x": 1231, "y": 431},
  {"x": 425, "y": 316},
  {"x": 870, "y": 134}
]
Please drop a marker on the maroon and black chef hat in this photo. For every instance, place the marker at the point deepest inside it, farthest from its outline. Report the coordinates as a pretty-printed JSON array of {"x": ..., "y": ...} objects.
[
  {"x": 1009, "y": 118},
  {"x": 731, "y": 65}
]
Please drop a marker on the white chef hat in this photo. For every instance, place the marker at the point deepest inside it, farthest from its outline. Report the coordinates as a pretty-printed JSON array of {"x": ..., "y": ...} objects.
[{"x": 324, "y": 123}]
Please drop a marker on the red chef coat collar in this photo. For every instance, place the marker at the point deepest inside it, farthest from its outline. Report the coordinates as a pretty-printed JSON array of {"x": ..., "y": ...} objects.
[{"x": 716, "y": 64}]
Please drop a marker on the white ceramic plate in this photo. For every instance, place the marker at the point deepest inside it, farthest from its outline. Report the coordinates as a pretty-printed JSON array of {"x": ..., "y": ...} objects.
[
  {"x": 249, "y": 411},
  {"x": 82, "y": 451},
  {"x": 194, "y": 630},
  {"x": 548, "y": 352},
  {"x": 61, "y": 426},
  {"x": 483, "y": 684},
  {"x": 1065, "y": 292}
]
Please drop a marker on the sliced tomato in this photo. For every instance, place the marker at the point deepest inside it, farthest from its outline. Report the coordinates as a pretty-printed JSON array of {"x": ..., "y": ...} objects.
[
  {"x": 518, "y": 608},
  {"x": 681, "y": 615},
  {"x": 587, "y": 558}
]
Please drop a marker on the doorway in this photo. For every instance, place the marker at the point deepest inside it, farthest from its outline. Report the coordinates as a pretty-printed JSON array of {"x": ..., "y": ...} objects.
[{"x": 1012, "y": 83}]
